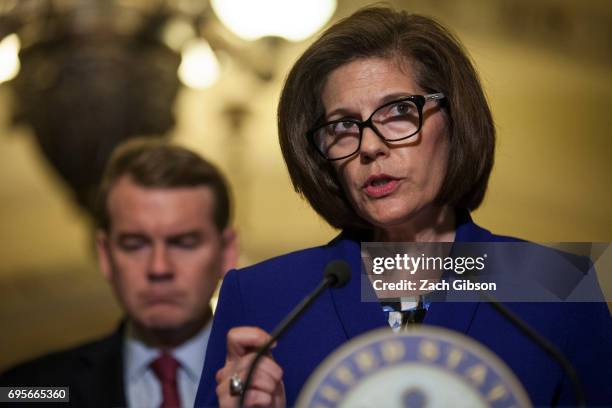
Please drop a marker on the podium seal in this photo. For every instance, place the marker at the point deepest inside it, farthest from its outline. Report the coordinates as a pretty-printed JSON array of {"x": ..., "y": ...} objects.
[{"x": 420, "y": 367}]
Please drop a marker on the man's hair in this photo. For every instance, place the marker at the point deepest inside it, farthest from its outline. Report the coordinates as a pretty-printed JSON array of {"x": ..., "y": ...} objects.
[
  {"x": 439, "y": 63},
  {"x": 157, "y": 164}
]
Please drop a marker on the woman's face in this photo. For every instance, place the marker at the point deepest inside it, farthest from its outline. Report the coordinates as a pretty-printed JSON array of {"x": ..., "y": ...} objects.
[{"x": 391, "y": 184}]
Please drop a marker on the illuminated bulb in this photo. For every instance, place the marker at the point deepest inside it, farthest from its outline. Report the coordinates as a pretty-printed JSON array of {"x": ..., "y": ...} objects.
[
  {"x": 294, "y": 20},
  {"x": 176, "y": 33},
  {"x": 9, "y": 57},
  {"x": 199, "y": 67}
]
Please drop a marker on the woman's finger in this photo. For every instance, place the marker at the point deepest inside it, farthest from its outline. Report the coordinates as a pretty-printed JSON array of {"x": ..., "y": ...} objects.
[{"x": 242, "y": 340}]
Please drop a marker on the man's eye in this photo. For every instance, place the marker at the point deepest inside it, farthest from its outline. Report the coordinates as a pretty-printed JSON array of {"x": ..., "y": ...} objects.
[
  {"x": 132, "y": 244},
  {"x": 187, "y": 242}
]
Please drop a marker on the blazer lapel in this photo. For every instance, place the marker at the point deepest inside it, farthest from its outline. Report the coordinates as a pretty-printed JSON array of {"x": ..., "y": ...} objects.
[
  {"x": 111, "y": 371},
  {"x": 451, "y": 315},
  {"x": 356, "y": 316},
  {"x": 458, "y": 315},
  {"x": 104, "y": 387}
]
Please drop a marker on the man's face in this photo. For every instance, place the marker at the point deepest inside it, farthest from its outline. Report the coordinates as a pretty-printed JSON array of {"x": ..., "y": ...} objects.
[{"x": 163, "y": 254}]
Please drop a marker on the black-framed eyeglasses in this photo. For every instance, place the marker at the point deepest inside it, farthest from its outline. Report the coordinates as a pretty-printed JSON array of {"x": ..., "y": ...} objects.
[{"x": 393, "y": 121}]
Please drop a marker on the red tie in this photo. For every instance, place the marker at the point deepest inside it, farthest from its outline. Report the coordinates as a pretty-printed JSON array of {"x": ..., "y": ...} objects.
[{"x": 165, "y": 369}]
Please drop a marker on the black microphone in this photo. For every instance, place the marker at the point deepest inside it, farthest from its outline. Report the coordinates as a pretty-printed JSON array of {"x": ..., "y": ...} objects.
[
  {"x": 336, "y": 274},
  {"x": 544, "y": 344}
]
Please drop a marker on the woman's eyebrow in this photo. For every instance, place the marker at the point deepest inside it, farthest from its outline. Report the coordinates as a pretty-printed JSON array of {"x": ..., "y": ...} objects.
[
  {"x": 345, "y": 112},
  {"x": 394, "y": 96}
]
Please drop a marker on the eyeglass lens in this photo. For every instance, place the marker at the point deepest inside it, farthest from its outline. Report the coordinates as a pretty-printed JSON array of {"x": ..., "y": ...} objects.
[{"x": 342, "y": 138}]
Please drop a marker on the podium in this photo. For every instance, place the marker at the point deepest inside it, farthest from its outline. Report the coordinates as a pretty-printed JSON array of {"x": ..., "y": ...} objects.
[{"x": 423, "y": 366}]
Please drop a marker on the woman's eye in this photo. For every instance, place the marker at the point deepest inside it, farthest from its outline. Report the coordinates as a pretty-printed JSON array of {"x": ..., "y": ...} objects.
[
  {"x": 344, "y": 127},
  {"x": 401, "y": 108}
]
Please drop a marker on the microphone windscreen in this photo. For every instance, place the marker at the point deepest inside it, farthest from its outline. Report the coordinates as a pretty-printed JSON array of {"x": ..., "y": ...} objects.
[{"x": 339, "y": 272}]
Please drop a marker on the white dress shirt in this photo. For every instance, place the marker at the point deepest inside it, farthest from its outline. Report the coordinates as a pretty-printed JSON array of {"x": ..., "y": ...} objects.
[{"x": 142, "y": 387}]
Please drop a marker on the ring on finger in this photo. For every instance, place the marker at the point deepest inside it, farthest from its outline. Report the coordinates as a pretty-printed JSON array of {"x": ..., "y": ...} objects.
[{"x": 236, "y": 386}]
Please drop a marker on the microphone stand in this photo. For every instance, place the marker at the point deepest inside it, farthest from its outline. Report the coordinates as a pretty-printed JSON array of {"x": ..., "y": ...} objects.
[
  {"x": 282, "y": 327},
  {"x": 544, "y": 344}
]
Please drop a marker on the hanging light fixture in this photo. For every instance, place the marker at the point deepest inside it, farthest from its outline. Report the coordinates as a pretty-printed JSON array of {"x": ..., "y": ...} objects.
[
  {"x": 294, "y": 20},
  {"x": 199, "y": 67},
  {"x": 9, "y": 57}
]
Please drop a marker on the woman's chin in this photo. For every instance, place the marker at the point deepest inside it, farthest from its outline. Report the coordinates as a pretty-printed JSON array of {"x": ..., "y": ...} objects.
[{"x": 390, "y": 218}]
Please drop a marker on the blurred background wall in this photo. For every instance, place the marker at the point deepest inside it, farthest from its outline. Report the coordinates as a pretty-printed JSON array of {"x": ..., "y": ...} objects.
[{"x": 95, "y": 72}]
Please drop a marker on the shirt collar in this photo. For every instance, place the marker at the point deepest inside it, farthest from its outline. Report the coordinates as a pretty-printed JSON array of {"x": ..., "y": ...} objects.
[
  {"x": 138, "y": 355},
  {"x": 190, "y": 355}
]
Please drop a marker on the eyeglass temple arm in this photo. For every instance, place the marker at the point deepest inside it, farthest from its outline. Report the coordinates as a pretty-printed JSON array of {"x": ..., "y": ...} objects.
[{"x": 435, "y": 96}]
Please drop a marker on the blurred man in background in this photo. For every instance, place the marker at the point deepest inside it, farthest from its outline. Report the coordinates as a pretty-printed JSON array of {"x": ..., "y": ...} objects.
[{"x": 164, "y": 242}]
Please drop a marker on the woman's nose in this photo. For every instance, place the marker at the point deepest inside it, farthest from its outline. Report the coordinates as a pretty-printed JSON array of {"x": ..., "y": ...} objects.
[{"x": 372, "y": 145}]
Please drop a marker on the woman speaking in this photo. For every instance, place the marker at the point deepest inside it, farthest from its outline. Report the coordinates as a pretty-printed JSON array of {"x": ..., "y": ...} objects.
[{"x": 386, "y": 131}]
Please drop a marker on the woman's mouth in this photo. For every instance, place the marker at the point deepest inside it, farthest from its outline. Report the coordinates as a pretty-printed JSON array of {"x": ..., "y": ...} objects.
[{"x": 380, "y": 185}]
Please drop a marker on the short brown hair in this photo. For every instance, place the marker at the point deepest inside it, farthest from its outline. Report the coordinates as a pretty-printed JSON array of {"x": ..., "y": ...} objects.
[
  {"x": 157, "y": 164},
  {"x": 440, "y": 64}
]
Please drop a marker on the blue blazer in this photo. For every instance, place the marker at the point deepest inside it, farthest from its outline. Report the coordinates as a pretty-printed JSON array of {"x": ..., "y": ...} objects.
[{"x": 263, "y": 294}]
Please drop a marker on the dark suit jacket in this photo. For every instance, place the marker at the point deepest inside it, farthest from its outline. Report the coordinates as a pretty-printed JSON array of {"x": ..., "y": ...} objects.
[
  {"x": 94, "y": 373},
  {"x": 261, "y": 295}
]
